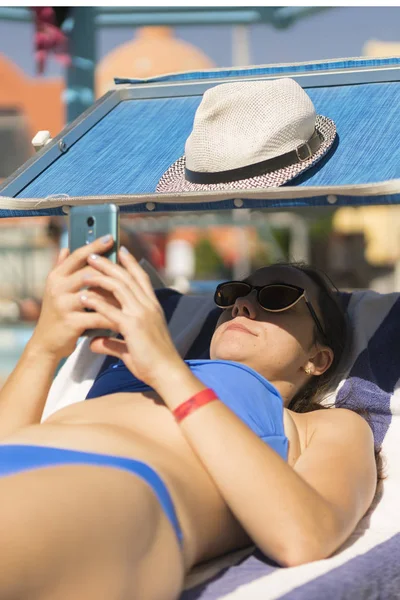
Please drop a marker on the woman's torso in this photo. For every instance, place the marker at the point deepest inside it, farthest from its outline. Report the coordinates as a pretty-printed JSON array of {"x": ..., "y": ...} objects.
[{"x": 139, "y": 425}]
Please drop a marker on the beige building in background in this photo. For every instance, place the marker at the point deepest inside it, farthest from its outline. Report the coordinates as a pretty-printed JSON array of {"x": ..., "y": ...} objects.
[
  {"x": 381, "y": 49},
  {"x": 380, "y": 224}
]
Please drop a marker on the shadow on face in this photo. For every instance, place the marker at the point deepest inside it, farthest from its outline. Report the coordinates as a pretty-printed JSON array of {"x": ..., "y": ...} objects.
[{"x": 275, "y": 344}]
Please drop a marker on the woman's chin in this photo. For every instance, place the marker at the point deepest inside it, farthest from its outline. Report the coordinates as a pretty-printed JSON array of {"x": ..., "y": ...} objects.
[
  {"x": 233, "y": 346},
  {"x": 231, "y": 352}
]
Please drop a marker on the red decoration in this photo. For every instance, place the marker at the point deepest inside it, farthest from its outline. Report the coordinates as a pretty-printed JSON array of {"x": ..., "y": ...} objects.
[{"x": 49, "y": 38}]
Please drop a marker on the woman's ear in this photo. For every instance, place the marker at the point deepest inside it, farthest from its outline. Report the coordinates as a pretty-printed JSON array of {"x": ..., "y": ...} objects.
[{"x": 320, "y": 361}]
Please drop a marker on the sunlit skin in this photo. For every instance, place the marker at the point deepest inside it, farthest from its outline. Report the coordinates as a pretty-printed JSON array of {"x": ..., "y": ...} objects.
[
  {"x": 279, "y": 346},
  {"x": 216, "y": 469}
]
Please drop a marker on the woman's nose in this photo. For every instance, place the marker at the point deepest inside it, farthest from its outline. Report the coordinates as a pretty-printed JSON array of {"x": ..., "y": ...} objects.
[{"x": 246, "y": 306}]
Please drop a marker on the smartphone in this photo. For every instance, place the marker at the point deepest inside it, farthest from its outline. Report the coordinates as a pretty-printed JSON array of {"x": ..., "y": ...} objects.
[{"x": 87, "y": 223}]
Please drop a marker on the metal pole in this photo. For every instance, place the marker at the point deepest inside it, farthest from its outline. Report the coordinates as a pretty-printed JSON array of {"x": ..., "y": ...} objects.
[
  {"x": 16, "y": 14},
  {"x": 241, "y": 46},
  {"x": 79, "y": 94},
  {"x": 242, "y": 266},
  {"x": 137, "y": 19}
]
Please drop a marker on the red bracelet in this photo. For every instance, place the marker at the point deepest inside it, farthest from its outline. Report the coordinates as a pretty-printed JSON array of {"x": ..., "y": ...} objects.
[{"x": 199, "y": 399}]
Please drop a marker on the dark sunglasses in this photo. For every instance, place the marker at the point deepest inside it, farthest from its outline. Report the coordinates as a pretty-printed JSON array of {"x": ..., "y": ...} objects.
[{"x": 273, "y": 297}]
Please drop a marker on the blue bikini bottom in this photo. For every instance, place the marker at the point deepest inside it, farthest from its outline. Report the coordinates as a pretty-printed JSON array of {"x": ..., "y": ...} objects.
[{"x": 20, "y": 458}]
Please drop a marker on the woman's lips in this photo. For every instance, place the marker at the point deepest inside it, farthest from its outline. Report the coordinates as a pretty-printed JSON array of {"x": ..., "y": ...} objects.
[{"x": 237, "y": 327}]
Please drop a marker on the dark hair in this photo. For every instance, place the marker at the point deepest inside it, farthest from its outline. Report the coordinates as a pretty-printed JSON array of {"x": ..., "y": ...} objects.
[{"x": 338, "y": 338}]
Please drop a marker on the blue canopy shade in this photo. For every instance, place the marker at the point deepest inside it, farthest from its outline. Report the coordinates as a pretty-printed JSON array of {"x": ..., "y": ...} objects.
[{"x": 119, "y": 149}]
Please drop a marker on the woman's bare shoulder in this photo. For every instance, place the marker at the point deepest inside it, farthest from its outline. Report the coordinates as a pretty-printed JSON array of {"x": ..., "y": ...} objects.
[
  {"x": 342, "y": 420},
  {"x": 344, "y": 431},
  {"x": 338, "y": 416}
]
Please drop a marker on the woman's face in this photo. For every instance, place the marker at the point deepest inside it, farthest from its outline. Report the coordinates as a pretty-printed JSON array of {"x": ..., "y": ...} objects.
[{"x": 279, "y": 345}]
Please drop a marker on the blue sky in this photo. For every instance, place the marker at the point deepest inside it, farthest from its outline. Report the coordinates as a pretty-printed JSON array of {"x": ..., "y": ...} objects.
[{"x": 339, "y": 32}]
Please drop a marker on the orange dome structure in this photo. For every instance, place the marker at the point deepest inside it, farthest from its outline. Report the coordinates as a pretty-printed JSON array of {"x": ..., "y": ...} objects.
[
  {"x": 38, "y": 100},
  {"x": 154, "y": 51}
]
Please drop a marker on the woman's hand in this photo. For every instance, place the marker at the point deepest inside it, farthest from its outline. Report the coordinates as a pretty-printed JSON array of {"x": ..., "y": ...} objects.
[
  {"x": 147, "y": 348},
  {"x": 62, "y": 319}
]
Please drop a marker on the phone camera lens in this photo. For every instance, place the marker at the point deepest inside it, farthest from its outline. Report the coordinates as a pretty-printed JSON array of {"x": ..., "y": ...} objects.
[{"x": 90, "y": 221}]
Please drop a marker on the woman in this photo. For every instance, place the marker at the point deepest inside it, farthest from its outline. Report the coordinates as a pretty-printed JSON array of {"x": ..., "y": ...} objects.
[{"x": 96, "y": 497}]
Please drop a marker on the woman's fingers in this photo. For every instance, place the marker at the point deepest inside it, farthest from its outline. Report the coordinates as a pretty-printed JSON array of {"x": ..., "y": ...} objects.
[
  {"x": 64, "y": 253},
  {"x": 91, "y": 320},
  {"x": 131, "y": 274},
  {"x": 109, "y": 346},
  {"x": 101, "y": 307},
  {"x": 82, "y": 279},
  {"x": 118, "y": 274},
  {"x": 125, "y": 296},
  {"x": 71, "y": 303},
  {"x": 102, "y": 265},
  {"x": 76, "y": 281},
  {"x": 107, "y": 296},
  {"x": 79, "y": 257},
  {"x": 135, "y": 270},
  {"x": 96, "y": 292}
]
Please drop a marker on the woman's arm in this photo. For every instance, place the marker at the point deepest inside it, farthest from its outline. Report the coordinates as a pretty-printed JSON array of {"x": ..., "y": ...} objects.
[
  {"x": 62, "y": 321},
  {"x": 23, "y": 396},
  {"x": 294, "y": 515}
]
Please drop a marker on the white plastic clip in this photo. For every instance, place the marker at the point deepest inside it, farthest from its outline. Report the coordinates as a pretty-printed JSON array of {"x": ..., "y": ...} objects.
[{"x": 41, "y": 139}]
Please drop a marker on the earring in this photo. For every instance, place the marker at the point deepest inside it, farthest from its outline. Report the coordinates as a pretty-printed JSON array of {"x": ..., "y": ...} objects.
[{"x": 308, "y": 370}]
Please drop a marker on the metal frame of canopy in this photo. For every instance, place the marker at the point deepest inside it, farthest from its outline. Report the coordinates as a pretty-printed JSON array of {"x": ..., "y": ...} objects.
[{"x": 14, "y": 193}]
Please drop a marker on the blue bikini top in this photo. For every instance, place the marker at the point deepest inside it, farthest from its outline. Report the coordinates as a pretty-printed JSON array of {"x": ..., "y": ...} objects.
[{"x": 249, "y": 395}]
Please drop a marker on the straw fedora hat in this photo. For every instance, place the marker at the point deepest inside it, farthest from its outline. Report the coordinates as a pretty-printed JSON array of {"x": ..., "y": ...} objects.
[{"x": 250, "y": 134}]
